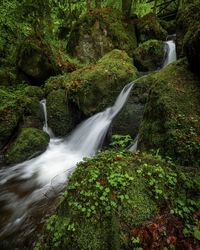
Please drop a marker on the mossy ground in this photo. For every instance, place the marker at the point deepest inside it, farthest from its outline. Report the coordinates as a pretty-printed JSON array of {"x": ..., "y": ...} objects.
[
  {"x": 109, "y": 197},
  {"x": 171, "y": 120}
]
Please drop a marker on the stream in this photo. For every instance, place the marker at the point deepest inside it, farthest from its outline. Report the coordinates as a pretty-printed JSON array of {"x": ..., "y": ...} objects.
[{"x": 28, "y": 190}]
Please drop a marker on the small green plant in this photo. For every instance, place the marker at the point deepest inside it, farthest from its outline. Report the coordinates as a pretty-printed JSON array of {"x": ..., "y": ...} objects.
[
  {"x": 121, "y": 141},
  {"x": 136, "y": 243}
]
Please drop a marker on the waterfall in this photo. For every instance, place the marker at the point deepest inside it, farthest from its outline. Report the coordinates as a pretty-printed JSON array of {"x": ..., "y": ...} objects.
[
  {"x": 171, "y": 52},
  {"x": 50, "y": 171},
  {"x": 171, "y": 57},
  {"x": 45, "y": 126}
]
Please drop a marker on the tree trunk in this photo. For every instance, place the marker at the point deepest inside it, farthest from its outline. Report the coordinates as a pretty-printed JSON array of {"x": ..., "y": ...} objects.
[{"x": 126, "y": 7}]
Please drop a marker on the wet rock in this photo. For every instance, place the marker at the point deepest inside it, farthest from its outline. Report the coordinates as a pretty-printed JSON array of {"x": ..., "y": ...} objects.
[
  {"x": 149, "y": 55},
  {"x": 99, "y": 32},
  {"x": 171, "y": 122}
]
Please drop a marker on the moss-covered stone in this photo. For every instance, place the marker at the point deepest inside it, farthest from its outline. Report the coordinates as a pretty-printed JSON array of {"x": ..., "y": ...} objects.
[
  {"x": 111, "y": 196},
  {"x": 171, "y": 121},
  {"x": 191, "y": 46},
  {"x": 36, "y": 61},
  {"x": 60, "y": 115},
  {"x": 187, "y": 17},
  {"x": 99, "y": 32},
  {"x": 11, "y": 112},
  {"x": 149, "y": 55},
  {"x": 95, "y": 87},
  {"x": 105, "y": 199},
  {"x": 30, "y": 141},
  {"x": 148, "y": 27}
]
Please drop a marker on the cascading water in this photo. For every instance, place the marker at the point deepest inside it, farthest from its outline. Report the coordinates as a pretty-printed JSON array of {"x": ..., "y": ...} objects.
[
  {"x": 171, "y": 52},
  {"x": 45, "y": 175},
  {"x": 29, "y": 186},
  {"x": 45, "y": 127},
  {"x": 171, "y": 57}
]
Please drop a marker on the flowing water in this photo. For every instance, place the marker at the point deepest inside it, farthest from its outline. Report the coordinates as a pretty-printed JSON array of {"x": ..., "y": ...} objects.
[
  {"x": 26, "y": 189},
  {"x": 25, "y": 185},
  {"x": 171, "y": 52}
]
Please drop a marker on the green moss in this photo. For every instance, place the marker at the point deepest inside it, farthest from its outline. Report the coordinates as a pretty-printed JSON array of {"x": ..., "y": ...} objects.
[
  {"x": 12, "y": 103},
  {"x": 8, "y": 76},
  {"x": 34, "y": 91},
  {"x": 29, "y": 142},
  {"x": 148, "y": 27},
  {"x": 99, "y": 32},
  {"x": 149, "y": 55},
  {"x": 187, "y": 17},
  {"x": 105, "y": 196},
  {"x": 171, "y": 120},
  {"x": 36, "y": 61},
  {"x": 60, "y": 116},
  {"x": 94, "y": 87}
]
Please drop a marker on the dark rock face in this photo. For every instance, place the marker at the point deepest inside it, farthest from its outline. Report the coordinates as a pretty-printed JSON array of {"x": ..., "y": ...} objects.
[
  {"x": 30, "y": 141},
  {"x": 99, "y": 32},
  {"x": 148, "y": 27},
  {"x": 149, "y": 55},
  {"x": 171, "y": 119},
  {"x": 129, "y": 119},
  {"x": 192, "y": 48},
  {"x": 187, "y": 19},
  {"x": 60, "y": 116},
  {"x": 36, "y": 61}
]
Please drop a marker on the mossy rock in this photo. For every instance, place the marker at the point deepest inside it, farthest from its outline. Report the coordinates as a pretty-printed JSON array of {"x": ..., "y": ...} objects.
[
  {"x": 98, "y": 32},
  {"x": 128, "y": 121},
  {"x": 149, "y": 55},
  {"x": 30, "y": 142},
  {"x": 12, "y": 103},
  {"x": 171, "y": 121},
  {"x": 36, "y": 61},
  {"x": 105, "y": 199},
  {"x": 60, "y": 114},
  {"x": 187, "y": 18},
  {"x": 96, "y": 87},
  {"x": 148, "y": 27},
  {"x": 191, "y": 47}
]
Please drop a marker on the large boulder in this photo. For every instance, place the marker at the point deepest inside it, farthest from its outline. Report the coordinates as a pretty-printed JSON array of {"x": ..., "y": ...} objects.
[
  {"x": 191, "y": 47},
  {"x": 96, "y": 87},
  {"x": 60, "y": 115},
  {"x": 171, "y": 122},
  {"x": 187, "y": 21},
  {"x": 29, "y": 143},
  {"x": 99, "y": 32},
  {"x": 37, "y": 61},
  {"x": 118, "y": 200},
  {"x": 149, "y": 55},
  {"x": 148, "y": 27}
]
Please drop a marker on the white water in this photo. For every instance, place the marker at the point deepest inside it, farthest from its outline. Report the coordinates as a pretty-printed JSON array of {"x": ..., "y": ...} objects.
[
  {"x": 171, "y": 57},
  {"x": 46, "y": 174},
  {"x": 45, "y": 127},
  {"x": 171, "y": 52}
]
